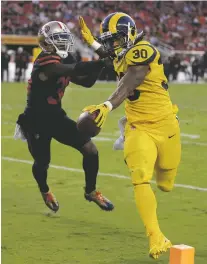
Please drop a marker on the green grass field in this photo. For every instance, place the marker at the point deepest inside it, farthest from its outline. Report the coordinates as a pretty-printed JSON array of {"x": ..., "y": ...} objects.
[{"x": 80, "y": 232}]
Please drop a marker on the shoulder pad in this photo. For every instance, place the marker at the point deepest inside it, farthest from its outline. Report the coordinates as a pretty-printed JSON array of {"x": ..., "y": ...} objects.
[
  {"x": 45, "y": 59},
  {"x": 141, "y": 54}
]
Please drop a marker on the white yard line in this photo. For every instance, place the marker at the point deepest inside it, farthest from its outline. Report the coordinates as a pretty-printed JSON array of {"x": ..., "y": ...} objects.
[
  {"x": 77, "y": 111},
  {"x": 94, "y": 139},
  {"x": 100, "y": 173},
  {"x": 103, "y": 139},
  {"x": 192, "y": 136},
  {"x": 117, "y": 133},
  {"x": 8, "y": 123},
  {"x": 64, "y": 168},
  {"x": 109, "y": 139}
]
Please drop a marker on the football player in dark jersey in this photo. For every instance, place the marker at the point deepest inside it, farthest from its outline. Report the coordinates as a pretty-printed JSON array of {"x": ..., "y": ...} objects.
[{"x": 44, "y": 118}]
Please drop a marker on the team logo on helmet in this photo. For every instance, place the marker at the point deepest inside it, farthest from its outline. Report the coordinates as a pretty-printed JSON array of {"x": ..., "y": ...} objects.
[
  {"x": 47, "y": 28},
  {"x": 56, "y": 37},
  {"x": 118, "y": 32}
]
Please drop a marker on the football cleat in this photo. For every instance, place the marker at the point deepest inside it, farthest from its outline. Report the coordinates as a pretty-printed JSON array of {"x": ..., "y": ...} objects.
[
  {"x": 50, "y": 201},
  {"x": 158, "y": 245},
  {"x": 100, "y": 200}
]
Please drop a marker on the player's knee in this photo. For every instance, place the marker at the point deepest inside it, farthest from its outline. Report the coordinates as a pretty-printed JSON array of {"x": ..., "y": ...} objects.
[
  {"x": 41, "y": 164},
  {"x": 89, "y": 149},
  {"x": 141, "y": 183},
  {"x": 139, "y": 176},
  {"x": 165, "y": 187},
  {"x": 165, "y": 179}
]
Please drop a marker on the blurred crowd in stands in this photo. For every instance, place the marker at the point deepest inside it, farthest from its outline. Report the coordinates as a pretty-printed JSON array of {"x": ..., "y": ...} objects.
[
  {"x": 181, "y": 25},
  {"x": 21, "y": 59}
]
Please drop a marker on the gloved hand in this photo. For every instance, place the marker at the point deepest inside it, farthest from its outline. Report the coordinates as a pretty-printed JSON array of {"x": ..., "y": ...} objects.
[
  {"x": 102, "y": 112},
  {"x": 85, "y": 31}
]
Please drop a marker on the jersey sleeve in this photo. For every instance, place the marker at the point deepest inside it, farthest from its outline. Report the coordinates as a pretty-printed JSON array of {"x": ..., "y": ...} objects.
[
  {"x": 142, "y": 54},
  {"x": 52, "y": 66},
  {"x": 48, "y": 59},
  {"x": 73, "y": 70}
]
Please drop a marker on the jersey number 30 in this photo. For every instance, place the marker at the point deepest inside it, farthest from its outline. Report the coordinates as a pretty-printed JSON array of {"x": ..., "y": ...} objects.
[{"x": 140, "y": 53}]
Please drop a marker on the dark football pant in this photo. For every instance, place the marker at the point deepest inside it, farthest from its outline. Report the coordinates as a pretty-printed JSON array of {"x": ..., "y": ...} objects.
[{"x": 64, "y": 130}]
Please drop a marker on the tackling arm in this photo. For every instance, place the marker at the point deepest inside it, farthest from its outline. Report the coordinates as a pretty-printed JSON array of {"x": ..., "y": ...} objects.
[
  {"x": 74, "y": 69},
  {"x": 87, "y": 80},
  {"x": 92, "y": 72},
  {"x": 134, "y": 77}
]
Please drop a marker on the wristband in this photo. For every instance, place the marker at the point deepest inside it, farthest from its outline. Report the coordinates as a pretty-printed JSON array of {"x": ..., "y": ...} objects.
[
  {"x": 95, "y": 45},
  {"x": 109, "y": 105}
]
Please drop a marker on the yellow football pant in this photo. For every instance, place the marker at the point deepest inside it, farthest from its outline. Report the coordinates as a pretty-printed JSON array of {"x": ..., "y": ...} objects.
[
  {"x": 158, "y": 150},
  {"x": 144, "y": 152}
]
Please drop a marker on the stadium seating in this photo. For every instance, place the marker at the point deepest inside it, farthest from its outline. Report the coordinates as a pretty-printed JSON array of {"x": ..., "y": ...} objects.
[{"x": 182, "y": 25}]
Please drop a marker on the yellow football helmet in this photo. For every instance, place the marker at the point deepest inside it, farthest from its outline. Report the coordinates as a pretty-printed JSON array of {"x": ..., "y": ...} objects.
[{"x": 117, "y": 32}]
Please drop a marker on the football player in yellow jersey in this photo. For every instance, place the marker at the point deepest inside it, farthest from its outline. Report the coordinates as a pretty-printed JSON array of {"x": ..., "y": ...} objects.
[{"x": 152, "y": 135}]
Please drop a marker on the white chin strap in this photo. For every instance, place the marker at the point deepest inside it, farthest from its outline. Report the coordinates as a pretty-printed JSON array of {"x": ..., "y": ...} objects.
[{"x": 62, "y": 54}]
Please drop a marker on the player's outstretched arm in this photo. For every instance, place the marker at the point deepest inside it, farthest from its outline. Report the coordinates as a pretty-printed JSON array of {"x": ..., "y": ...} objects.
[
  {"x": 75, "y": 69},
  {"x": 82, "y": 73},
  {"x": 87, "y": 81},
  {"x": 93, "y": 71},
  {"x": 134, "y": 77}
]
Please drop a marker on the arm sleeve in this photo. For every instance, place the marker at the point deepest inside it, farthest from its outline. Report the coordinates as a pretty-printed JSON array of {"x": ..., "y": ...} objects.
[
  {"x": 74, "y": 69},
  {"x": 88, "y": 67},
  {"x": 92, "y": 72},
  {"x": 59, "y": 69},
  {"x": 87, "y": 80}
]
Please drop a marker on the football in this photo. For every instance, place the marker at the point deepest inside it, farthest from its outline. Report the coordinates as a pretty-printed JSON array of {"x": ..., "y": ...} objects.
[{"x": 86, "y": 124}]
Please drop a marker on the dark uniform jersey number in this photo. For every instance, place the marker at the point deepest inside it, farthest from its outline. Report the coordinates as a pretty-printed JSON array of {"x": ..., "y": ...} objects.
[{"x": 140, "y": 53}]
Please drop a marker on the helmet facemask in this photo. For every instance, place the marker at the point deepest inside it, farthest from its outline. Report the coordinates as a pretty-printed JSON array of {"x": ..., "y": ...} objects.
[
  {"x": 61, "y": 41},
  {"x": 117, "y": 42}
]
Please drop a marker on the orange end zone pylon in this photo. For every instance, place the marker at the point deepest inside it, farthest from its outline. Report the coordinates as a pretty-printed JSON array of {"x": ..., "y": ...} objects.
[{"x": 182, "y": 254}]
